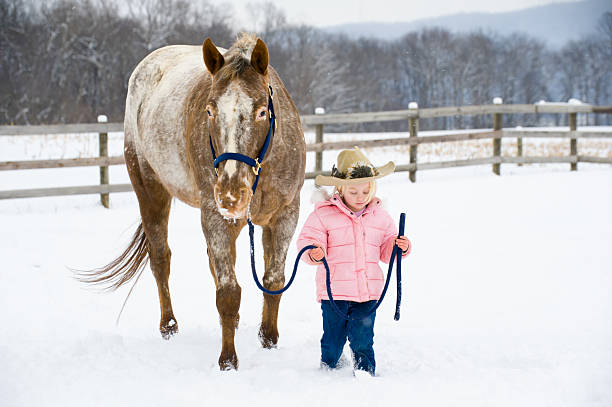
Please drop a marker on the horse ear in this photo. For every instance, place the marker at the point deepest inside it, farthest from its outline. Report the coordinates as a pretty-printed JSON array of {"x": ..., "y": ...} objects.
[
  {"x": 259, "y": 57},
  {"x": 212, "y": 57}
]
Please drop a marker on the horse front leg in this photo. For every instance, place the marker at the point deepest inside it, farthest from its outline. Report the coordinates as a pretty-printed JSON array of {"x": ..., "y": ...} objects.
[
  {"x": 276, "y": 239},
  {"x": 221, "y": 241},
  {"x": 228, "y": 305}
]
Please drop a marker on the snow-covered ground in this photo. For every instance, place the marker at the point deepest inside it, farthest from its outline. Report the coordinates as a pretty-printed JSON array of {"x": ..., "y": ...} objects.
[{"x": 506, "y": 299}]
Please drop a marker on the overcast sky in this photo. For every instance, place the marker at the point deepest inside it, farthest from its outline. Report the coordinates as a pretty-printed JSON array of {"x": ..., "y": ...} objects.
[{"x": 331, "y": 12}]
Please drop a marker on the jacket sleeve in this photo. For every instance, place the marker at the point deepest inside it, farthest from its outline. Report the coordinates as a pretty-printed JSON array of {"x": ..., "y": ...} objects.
[
  {"x": 386, "y": 249},
  {"x": 313, "y": 232}
]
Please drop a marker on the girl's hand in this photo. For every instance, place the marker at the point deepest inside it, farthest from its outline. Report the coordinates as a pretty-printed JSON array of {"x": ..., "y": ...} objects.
[
  {"x": 403, "y": 243},
  {"x": 316, "y": 254}
]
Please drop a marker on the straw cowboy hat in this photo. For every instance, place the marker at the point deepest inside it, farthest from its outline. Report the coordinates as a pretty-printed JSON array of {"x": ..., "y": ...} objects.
[{"x": 354, "y": 168}]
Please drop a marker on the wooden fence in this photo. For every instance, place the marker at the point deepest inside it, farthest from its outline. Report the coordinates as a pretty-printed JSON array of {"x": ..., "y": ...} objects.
[{"x": 318, "y": 121}]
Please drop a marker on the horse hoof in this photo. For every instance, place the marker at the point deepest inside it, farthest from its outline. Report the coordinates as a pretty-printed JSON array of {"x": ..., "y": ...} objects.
[
  {"x": 168, "y": 330},
  {"x": 268, "y": 340},
  {"x": 228, "y": 362}
]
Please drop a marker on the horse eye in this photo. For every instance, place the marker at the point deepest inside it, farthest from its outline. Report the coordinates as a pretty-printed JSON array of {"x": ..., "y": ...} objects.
[
  {"x": 209, "y": 113},
  {"x": 262, "y": 113}
]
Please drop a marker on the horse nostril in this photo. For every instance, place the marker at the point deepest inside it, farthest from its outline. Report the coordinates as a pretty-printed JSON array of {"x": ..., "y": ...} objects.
[
  {"x": 226, "y": 201},
  {"x": 220, "y": 197}
]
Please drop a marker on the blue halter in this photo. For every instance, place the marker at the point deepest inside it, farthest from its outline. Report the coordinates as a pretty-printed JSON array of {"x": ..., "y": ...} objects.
[{"x": 254, "y": 163}]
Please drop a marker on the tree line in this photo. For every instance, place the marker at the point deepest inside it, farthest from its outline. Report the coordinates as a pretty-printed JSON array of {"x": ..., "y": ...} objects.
[{"x": 67, "y": 61}]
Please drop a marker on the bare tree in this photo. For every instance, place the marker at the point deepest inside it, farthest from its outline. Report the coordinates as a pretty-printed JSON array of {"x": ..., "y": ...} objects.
[
  {"x": 310, "y": 69},
  {"x": 14, "y": 29},
  {"x": 585, "y": 70},
  {"x": 605, "y": 26},
  {"x": 521, "y": 74},
  {"x": 158, "y": 20},
  {"x": 265, "y": 17}
]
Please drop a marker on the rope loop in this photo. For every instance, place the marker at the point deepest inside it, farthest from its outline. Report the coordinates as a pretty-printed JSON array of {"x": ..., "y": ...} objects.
[{"x": 396, "y": 255}]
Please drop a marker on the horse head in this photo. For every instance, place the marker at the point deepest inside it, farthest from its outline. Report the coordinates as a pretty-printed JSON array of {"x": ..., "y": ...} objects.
[{"x": 238, "y": 118}]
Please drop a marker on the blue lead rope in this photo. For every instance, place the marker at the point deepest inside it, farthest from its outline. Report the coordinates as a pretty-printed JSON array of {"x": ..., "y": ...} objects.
[
  {"x": 295, "y": 267},
  {"x": 398, "y": 251},
  {"x": 396, "y": 254}
]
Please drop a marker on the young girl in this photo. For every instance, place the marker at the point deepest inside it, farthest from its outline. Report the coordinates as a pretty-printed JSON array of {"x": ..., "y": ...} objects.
[{"x": 353, "y": 232}]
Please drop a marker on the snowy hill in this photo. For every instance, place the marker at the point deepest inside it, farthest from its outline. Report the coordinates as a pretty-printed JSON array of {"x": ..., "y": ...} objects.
[{"x": 555, "y": 24}]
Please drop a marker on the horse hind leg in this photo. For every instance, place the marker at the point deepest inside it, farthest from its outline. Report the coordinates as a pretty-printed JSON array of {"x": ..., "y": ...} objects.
[{"x": 155, "y": 201}]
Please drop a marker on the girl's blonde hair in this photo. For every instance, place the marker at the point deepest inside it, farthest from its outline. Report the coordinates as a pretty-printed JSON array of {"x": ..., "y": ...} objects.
[{"x": 341, "y": 189}]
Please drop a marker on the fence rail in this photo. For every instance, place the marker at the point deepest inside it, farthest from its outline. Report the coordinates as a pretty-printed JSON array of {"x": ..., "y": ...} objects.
[
  {"x": 342, "y": 118},
  {"x": 318, "y": 121}
]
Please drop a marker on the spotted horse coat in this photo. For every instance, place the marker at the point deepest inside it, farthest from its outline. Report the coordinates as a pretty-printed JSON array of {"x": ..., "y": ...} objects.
[{"x": 178, "y": 98}]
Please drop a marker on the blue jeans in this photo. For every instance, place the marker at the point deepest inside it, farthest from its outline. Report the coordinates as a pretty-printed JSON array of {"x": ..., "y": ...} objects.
[{"x": 360, "y": 334}]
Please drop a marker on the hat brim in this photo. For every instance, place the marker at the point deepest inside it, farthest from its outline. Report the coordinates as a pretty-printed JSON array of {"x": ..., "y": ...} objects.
[{"x": 327, "y": 180}]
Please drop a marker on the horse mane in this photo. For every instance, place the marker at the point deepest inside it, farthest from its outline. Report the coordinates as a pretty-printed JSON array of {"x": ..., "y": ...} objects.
[{"x": 238, "y": 57}]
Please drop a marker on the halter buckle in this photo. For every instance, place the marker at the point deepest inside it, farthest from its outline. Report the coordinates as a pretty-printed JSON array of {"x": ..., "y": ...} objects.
[{"x": 257, "y": 167}]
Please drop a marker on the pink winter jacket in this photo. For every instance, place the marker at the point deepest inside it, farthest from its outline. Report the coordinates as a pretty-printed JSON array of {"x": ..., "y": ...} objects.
[{"x": 353, "y": 247}]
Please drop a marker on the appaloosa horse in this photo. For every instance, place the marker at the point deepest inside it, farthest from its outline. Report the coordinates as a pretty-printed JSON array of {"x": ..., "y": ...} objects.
[{"x": 181, "y": 102}]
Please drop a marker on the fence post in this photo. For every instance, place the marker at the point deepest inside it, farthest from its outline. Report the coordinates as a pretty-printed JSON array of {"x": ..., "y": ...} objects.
[
  {"x": 519, "y": 149},
  {"x": 103, "y": 143},
  {"x": 413, "y": 127},
  {"x": 519, "y": 140},
  {"x": 497, "y": 125},
  {"x": 573, "y": 144},
  {"x": 319, "y": 139}
]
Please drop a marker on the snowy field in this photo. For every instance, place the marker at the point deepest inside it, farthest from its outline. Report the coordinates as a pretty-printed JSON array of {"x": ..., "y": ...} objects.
[{"x": 506, "y": 299}]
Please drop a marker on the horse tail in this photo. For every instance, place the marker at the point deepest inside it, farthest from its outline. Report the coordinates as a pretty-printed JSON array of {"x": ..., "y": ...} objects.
[{"x": 124, "y": 268}]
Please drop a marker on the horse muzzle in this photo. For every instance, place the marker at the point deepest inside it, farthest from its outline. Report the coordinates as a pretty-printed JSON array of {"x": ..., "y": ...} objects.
[{"x": 233, "y": 203}]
